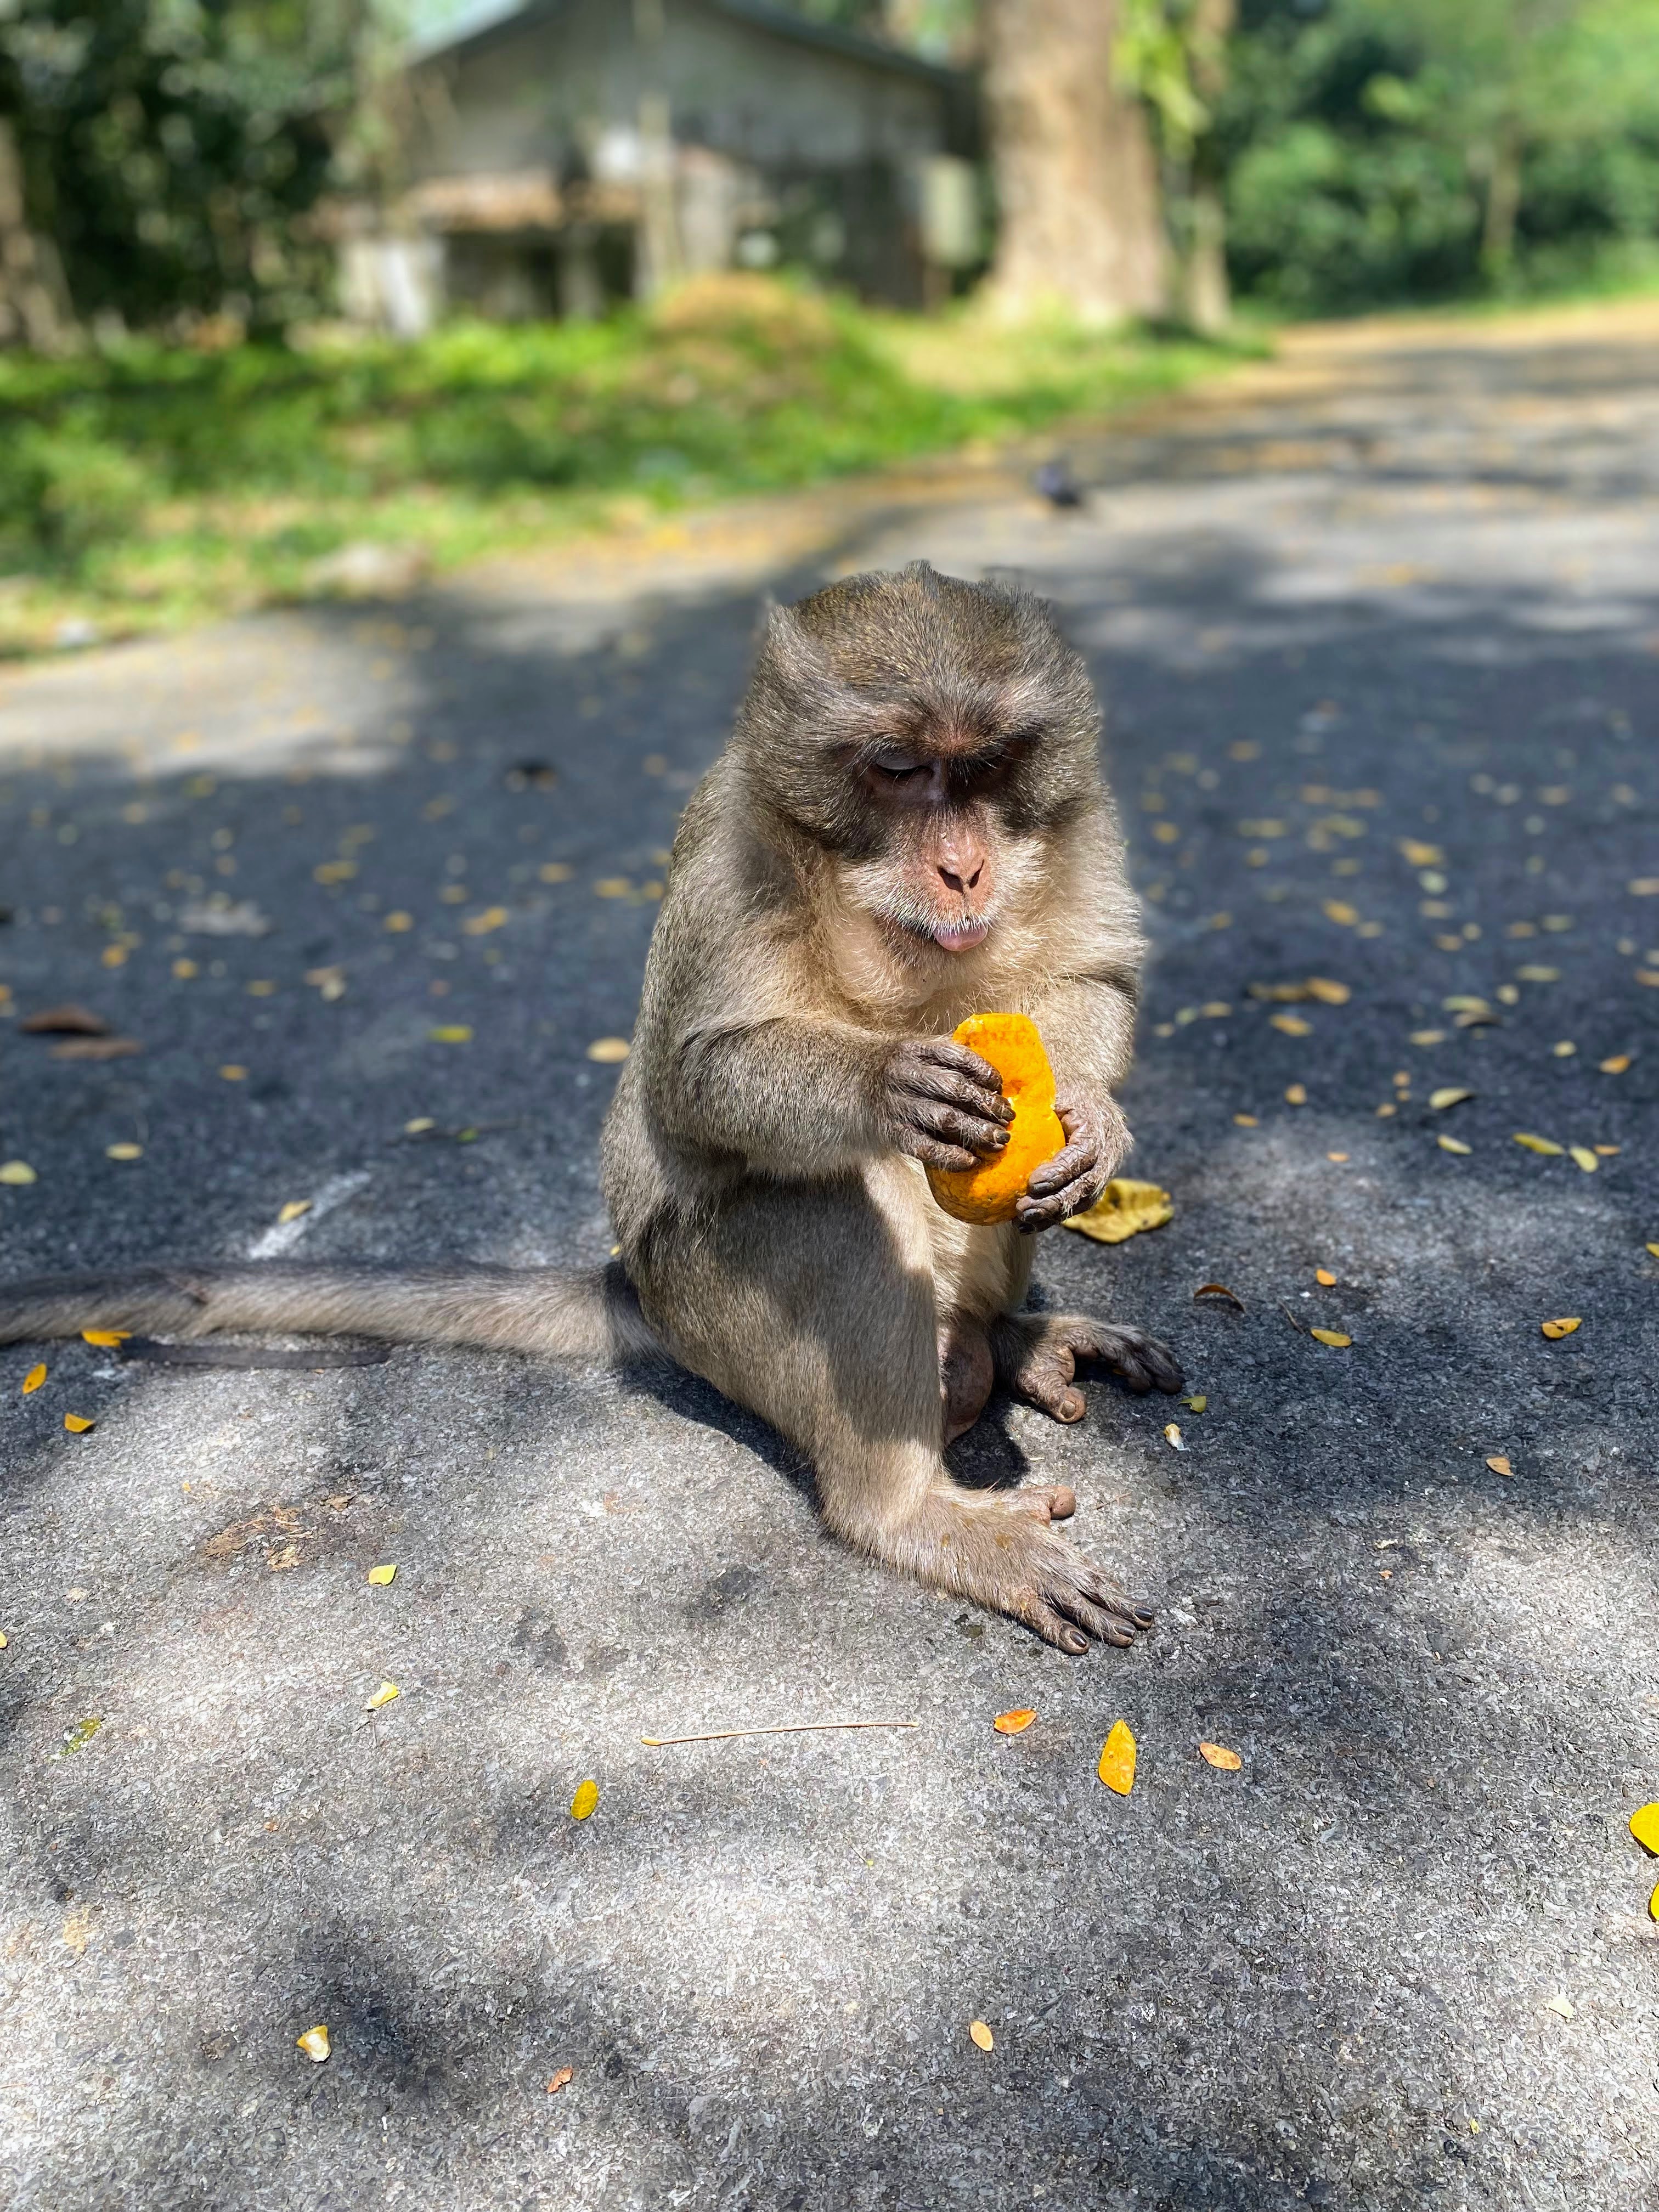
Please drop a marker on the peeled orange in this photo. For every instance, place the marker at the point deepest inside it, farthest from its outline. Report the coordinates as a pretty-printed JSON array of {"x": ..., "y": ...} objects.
[{"x": 988, "y": 1191}]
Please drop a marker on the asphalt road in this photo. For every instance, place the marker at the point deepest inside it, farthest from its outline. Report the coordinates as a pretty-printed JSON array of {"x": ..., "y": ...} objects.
[{"x": 1397, "y": 591}]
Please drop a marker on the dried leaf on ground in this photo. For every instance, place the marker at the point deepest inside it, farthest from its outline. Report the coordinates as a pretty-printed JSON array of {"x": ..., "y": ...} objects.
[
  {"x": 110, "y": 1048},
  {"x": 18, "y": 1172},
  {"x": 314, "y": 2042},
  {"x": 1454, "y": 1144},
  {"x": 5, "y": 1639},
  {"x": 78, "y": 1737},
  {"x": 78, "y": 1424},
  {"x": 1560, "y": 2005},
  {"x": 1290, "y": 1024},
  {"x": 104, "y": 1337},
  {"x": 1653, "y": 1249},
  {"x": 1219, "y": 1290},
  {"x": 1428, "y": 1037},
  {"x": 981, "y": 2035},
  {"x": 1453, "y": 1095},
  {"x": 291, "y": 1211},
  {"x": 37, "y": 1375},
  {"x": 1417, "y": 855},
  {"x": 1333, "y": 1337},
  {"x": 1173, "y": 1437},
  {"x": 450, "y": 1033},
  {"x": 1218, "y": 1755},
  {"x": 1499, "y": 1464},
  {"x": 1545, "y": 1146},
  {"x": 1533, "y": 973},
  {"x": 586, "y": 1797},
  {"x": 1197, "y": 1402},
  {"x": 1644, "y": 1826},
  {"x": 1123, "y": 1209},
  {"x": 1117, "y": 1760},
  {"x": 383, "y": 1696},
  {"x": 1016, "y": 1722},
  {"x": 1583, "y": 1156},
  {"x": 565, "y": 2073},
  {"x": 1323, "y": 1276},
  {"x": 1246, "y": 1122},
  {"x": 1327, "y": 991},
  {"x": 608, "y": 1050},
  {"x": 1297, "y": 1095},
  {"x": 123, "y": 1151},
  {"x": 1554, "y": 1330},
  {"x": 1339, "y": 911},
  {"x": 1616, "y": 1065},
  {"x": 65, "y": 1021},
  {"x": 382, "y": 1576}
]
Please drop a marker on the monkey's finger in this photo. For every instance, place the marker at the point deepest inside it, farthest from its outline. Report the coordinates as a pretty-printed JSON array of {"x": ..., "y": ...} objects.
[
  {"x": 958, "y": 1128},
  {"x": 1035, "y": 1214},
  {"x": 1075, "y": 1164},
  {"x": 1095, "y": 1618},
  {"x": 945, "y": 1052},
  {"x": 1124, "y": 1348},
  {"x": 933, "y": 1154},
  {"x": 1099, "y": 1587},
  {"x": 1049, "y": 1625},
  {"x": 924, "y": 1080}
]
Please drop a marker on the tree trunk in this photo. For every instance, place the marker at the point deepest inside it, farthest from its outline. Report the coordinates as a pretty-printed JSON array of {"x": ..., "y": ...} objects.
[
  {"x": 1503, "y": 206},
  {"x": 33, "y": 303},
  {"x": 1080, "y": 226},
  {"x": 1206, "y": 298}
]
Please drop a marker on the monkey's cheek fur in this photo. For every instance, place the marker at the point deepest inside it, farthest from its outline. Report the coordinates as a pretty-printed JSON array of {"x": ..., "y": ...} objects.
[{"x": 991, "y": 1191}]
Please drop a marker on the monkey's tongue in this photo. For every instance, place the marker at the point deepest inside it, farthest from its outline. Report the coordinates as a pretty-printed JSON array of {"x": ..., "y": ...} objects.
[{"x": 963, "y": 936}]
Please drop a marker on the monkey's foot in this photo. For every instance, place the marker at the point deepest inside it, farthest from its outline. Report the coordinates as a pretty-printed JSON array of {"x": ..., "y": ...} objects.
[
  {"x": 1003, "y": 1553},
  {"x": 1037, "y": 1356}
]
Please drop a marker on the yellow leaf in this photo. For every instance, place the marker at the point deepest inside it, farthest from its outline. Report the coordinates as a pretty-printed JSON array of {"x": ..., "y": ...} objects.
[
  {"x": 1543, "y": 1145},
  {"x": 37, "y": 1374},
  {"x": 1584, "y": 1157},
  {"x": 1123, "y": 1209},
  {"x": 1297, "y": 1095},
  {"x": 1535, "y": 975},
  {"x": 1653, "y": 1248},
  {"x": 383, "y": 1696},
  {"x": 419, "y": 1126},
  {"x": 382, "y": 1576},
  {"x": 1648, "y": 975},
  {"x": 1451, "y": 1095},
  {"x": 18, "y": 1171},
  {"x": 480, "y": 925},
  {"x": 397, "y": 921},
  {"x": 586, "y": 1797},
  {"x": 565, "y": 2073},
  {"x": 1556, "y": 1329},
  {"x": 314, "y": 2044},
  {"x": 609, "y": 1049},
  {"x": 123, "y": 1151},
  {"x": 1340, "y": 911},
  {"x": 5, "y": 1639},
  {"x": 1453, "y": 1144},
  {"x": 1218, "y": 1755},
  {"x": 1173, "y": 1437},
  {"x": 294, "y": 1209},
  {"x": 555, "y": 872},
  {"x": 1246, "y": 1122},
  {"x": 1327, "y": 993},
  {"x": 1644, "y": 1826},
  {"x": 450, "y": 1033},
  {"x": 1219, "y": 1290},
  {"x": 1290, "y": 1024},
  {"x": 1559, "y": 2004},
  {"x": 1016, "y": 1722},
  {"x": 1653, "y": 1904},
  {"x": 1416, "y": 854},
  {"x": 1565, "y": 1050},
  {"x": 1198, "y": 1402},
  {"x": 1428, "y": 1037},
  {"x": 335, "y": 872},
  {"x": 613, "y": 887},
  {"x": 233, "y": 1073},
  {"x": 981, "y": 2035},
  {"x": 1644, "y": 887},
  {"x": 1323, "y": 1276},
  {"x": 1333, "y": 1337},
  {"x": 1117, "y": 1760},
  {"x": 1340, "y": 1157},
  {"x": 1499, "y": 1464},
  {"x": 105, "y": 1336},
  {"x": 77, "y": 1423},
  {"x": 1616, "y": 1065}
]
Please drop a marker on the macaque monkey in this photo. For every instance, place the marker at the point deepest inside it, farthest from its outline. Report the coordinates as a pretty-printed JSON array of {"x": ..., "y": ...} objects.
[{"x": 908, "y": 826}]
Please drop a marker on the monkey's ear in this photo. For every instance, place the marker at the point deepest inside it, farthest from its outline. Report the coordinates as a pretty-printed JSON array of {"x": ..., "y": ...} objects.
[{"x": 786, "y": 649}]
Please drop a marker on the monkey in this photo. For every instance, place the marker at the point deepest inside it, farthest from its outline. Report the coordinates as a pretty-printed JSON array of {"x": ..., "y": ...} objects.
[{"x": 908, "y": 824}]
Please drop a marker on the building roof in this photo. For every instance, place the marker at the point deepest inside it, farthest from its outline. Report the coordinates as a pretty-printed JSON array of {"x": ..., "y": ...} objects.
[{"x": 441, "y": 26}]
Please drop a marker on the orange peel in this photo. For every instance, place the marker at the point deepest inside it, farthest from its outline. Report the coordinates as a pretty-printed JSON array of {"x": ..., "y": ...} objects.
[{"x": 989, "y": 1191}]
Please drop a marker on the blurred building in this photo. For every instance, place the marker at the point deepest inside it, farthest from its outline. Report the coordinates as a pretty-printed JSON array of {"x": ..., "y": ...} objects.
[{"x": 565, "y": 153}]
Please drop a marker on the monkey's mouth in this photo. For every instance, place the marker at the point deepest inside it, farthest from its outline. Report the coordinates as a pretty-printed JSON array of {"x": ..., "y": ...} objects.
[{"x": 959, "y": 936}]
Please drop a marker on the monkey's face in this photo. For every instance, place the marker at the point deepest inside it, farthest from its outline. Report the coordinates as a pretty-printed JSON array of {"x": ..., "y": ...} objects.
[{"x": 943, "y": 858}]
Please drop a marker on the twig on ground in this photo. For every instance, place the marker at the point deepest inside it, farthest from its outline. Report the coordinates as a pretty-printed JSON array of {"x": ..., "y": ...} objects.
[{"x": 782, "y": 1727}]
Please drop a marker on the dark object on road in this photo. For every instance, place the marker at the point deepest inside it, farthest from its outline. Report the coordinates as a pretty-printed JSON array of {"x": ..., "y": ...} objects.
[
  {"x": 65, "y": 1021},
  {"x": 531, "y": 775},
  {"x": 151, "y": 1351},
  {"x": 1058, "y": 485},
  {"x": 96, "y": 1048},
  {"x": 836, "y": 898}
]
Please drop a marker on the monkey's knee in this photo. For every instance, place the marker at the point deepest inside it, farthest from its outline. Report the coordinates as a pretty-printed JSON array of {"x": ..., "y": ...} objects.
[{"x": 966, "y": 1373}]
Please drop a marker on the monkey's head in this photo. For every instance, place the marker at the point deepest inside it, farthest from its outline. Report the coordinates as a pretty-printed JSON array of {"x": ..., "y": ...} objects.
[{"x": 930, "y": 738}]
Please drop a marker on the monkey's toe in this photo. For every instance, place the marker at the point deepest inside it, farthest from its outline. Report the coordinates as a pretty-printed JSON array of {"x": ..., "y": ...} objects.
[{"x": 1057, "y": 1502}]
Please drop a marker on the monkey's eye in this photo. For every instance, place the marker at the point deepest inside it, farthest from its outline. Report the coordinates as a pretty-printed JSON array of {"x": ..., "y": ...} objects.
[{"x": 895, "y": 766}]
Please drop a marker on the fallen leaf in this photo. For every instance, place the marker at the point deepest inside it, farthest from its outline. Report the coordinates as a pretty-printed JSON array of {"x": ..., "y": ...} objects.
[
  {"x": 1565, "y": 1050},
  {"x": 1323, "y": 1276},
  {"x": 1542, "y": 1145},
  {"x": 1648, "y": 975},
  {"x": 1616, "y": 1065},
  {"x": 124, "y": 1151},
  {"x": 1016, "y": 1722},
  {"x": 1644, "y": 887},
  {"x": 981, "y": 2034},
  {"x": 110, "y": 1048},
  {"x": 450, "y": 1033},
  {"x": 1653, "y": 1904},
  {"x": 78, "y": 1737},
  {"x": 1173, "y": 1437},
  {"x": 480, "y": 925},
  {"x": 1533, "y": 975},
  {"x": 1340, "y": 911},
  {"x": 314, "y": 2042},
  {"x": 37, "y": 1375},
  {"x": 233, "y": 1074},
  {"x": 1453, "y": 1144},
  {"x": 1329, "y": 992},
  {"x": 1556, "y": 1329},
  {"x": 77, "y": 1423},
  {"x": 419, "y": 1126},
  {"x": 382, "y": 1575},
  {"x": 565, "y": 2073},
  {"x": 1653, "y": 1248},
  {"x": 1117, "y": 1760},
  {"x": 1558, "y": 2004},
  {"x": 1644, "y": 1826},
  {"x": 1218, "y": 1755},
  {"x": 1499, "y": 1464},
  {"x": 383, "y": 1696},
  {"x": 293, "y": 1210},
  {"x": 1428, "y": 1037},
  {"x": 1219, "y": 1290},
  {"x": 555, "y": 872},
  {"x": 1297, "y": 1095},
  {"x": 398, "y": 920},
  {"x": 1341, "y": 1158},
  {"x": 1123, "y": 1209},
  {"x": 105, "y": 1336},
  {"x": 1197, "y": 1403},
  {"x": 1416, "y": 854},
  {"x": 1333, "y": 1337},
  {"x": 586, "y": 1797},
  {"x": 5, "y": 1639},
  {"x": 18, "y": 1171},
  {"x": 1451, "y": 1095},
  {"x": 1583, "y": 1158},
  {"x": 1290, "y": 1024},
  {"x": 1246, "y": 1122},
  {"x": 609, "y": 1049},
  {"x": 65, "y": 1021}
]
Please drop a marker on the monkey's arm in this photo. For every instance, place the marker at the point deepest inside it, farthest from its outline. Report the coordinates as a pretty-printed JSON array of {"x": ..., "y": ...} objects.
[
  {"x": 1087, "y": 1025},
  {"x": 795, "y": 1097}
]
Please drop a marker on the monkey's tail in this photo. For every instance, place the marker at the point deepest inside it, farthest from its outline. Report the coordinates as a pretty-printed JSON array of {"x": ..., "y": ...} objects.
[{"x": 550, "y": 1311}]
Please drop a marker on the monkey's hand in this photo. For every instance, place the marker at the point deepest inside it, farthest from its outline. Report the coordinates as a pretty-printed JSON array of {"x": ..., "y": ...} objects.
[
  {"x": 943, "y": 1104},
  {"x": 1096, "y": 1139}
]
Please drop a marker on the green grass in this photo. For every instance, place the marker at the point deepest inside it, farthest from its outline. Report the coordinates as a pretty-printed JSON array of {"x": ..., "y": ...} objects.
[{"x": 145, "y": 486}]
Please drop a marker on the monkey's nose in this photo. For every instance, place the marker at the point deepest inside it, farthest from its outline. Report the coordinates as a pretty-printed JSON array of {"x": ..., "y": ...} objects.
[{"x": 960, "y": 881}]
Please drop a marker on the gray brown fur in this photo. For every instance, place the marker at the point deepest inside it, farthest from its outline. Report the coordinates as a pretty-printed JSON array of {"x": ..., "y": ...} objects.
[{"x": 907, "y": 827}]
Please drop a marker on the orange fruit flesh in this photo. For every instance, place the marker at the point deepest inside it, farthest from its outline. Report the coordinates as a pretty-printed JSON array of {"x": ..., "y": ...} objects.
[{"x": 987, "y": 1192}]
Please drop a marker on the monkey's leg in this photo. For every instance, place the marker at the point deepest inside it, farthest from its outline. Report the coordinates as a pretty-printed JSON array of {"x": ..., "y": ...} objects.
[
  {"x": 814, "y": 1305},
  {"x": 1037, "y": 1356}
]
